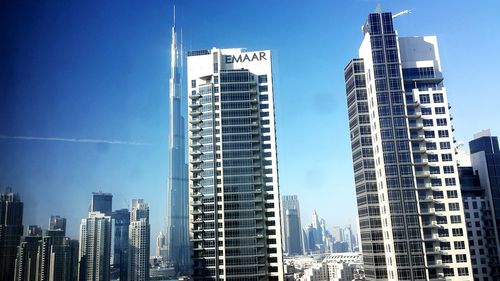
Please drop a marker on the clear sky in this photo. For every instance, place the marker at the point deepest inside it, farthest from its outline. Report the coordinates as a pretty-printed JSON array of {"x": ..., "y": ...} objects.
[{"x": 77, "y": 70}]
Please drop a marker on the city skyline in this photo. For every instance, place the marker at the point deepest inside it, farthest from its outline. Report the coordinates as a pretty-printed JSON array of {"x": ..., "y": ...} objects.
[{"x": 81, "y": 182}]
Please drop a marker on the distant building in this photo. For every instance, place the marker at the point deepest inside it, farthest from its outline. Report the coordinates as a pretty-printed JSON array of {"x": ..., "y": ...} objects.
[
  {"x": 102, "y": 202},
  {"x": 11, "y": 230},
  {"x": 160, "y": 244},
  {"x": 57, "y": 223},
  {"x": 332, "y": 267},
  {"x": 480, "y": 188},
  {"x": 292, "y": 232},
  {"x": 95, "y": 247},
  {"x": 317, "y": 238},
  {"x": 139, "y": 237},
  {"x": 120, "y": 254},
  {"x": 50, "y": 256}
]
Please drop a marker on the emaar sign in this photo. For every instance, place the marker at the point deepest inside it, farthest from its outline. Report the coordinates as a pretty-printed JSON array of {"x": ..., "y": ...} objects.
[{"x": 246, "y": 57}]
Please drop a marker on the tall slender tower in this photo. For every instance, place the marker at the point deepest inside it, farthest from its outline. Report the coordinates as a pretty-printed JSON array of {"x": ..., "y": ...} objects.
[
  {"x": 177, "y": 191},
  {"x": 410, "y": 209}
]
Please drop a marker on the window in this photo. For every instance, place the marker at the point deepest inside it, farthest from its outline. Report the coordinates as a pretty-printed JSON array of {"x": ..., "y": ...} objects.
[
  {"x": 262, "y": 78},
  {"x": 459, "y": 245},
  {"x": 448, "y": 169},
  {"x": 428, "y": 122},
  {"x": 426, "y": 111},
  {"x": 425, "y": 98},
  {"x": 452, "y": 194},
  {"x": 463, "y": 271},
  {"x": 429, "y": 134},
  {"x": 440, "y": 110},
  {"x": 216, "y": 79},
  {"x": 446, "y": 157},
  {"x": 455, "y": 219},
  {"x": 445, "y": 145},
  {"x": 453, "y": 206},
  {"x": 450, "y": 181},
  {"x": 457, "y": 232},
  {"x": 430, "y": 146},
  {"x": 193, "y": 83},
  {"x": 438, "y": 98},
  {"x": 263, "y": 88},
  {"x": 432, "y": 157},
  {"x": 441, "y": 122},
  {"x": 443, "y": 133}
]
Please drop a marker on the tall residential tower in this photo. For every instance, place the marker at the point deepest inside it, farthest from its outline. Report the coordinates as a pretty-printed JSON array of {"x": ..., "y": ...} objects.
[
  {"x": 410, "y": 208},
  {"x": 139, "y": 232},
  {"x": 234, "y": 206},
  {"x": 176, "y": 234}
]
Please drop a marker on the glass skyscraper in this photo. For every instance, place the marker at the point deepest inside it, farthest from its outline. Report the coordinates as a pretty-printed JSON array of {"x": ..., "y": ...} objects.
[
  {"x": 11, "y": 230},
  {"x": 410, "y": 208},
  {"x": 139, "y": 238},
  {"x": 234, "y": 206},
  {"x": 292, "y": 227}
]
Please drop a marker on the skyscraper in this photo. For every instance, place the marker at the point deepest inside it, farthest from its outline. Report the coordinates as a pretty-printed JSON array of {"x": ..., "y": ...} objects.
[
  {"x": 120, "y": 255},
  {"x": 235, "y": 226},
  {"x": 11, "y": 230},
  {"x": 292, "y": 227},
  {"x": 409, "y": 202},
  {"x": 160, "y": 244},
  {"x": 177, "y": 239},
  {"x": 481, "y": 194},
  {"x": 102, "y": 202},
  {"x": 50, "y": 256},
  {"x": 95, "y": 247},
  {"x": 139, "y": 232}
]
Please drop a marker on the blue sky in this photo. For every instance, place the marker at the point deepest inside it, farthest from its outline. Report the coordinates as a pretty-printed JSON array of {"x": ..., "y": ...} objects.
[{"x": 99, "y": 70}]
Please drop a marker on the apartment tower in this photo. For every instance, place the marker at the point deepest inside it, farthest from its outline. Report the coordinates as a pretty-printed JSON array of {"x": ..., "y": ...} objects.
[
  {"x": 410, "y": 208},
  {"x": 234, "y": 205}
]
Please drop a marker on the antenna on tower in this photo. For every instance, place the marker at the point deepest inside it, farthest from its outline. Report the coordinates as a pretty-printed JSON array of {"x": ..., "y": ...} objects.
[
  {"x": 378, "y": 9},
  {"x": 174, "y": 15},
  {"x": 405, "y": 12}
]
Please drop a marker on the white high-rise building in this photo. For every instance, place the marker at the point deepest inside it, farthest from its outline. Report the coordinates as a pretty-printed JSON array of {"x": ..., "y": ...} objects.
[
  {"x": 410, "y": 208},
  {"x": 234, "y": 205},
  {"x": 95, "y": 247},
  {"x": 139, "y": 232}
]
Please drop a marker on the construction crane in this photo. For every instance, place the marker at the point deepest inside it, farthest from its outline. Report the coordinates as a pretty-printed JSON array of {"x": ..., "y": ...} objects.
[{"x": 405, "y": 12}]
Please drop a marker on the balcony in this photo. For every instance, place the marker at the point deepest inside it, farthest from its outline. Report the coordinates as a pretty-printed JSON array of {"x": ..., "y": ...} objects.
[
  {"x": 195, "y": 136},
  {"x": 195, "y": 129},
  {"x": 424, "y": 186},
  {"x": 421, "y": 162},
  {"x": 417, "y": 137},
  {"x": 428, "y": 212},
  {"x": 416, "y": 126},
  {"x": 414, "y": 115},
  {"x": 195, "y": 113},
  {"x": 195, "y": 121},
  {"x": 431, "y": 237},
  {"x": 195, "y": 96},
  {"x": 422, "y": 174},
  {"x": 195, "y": 145},
  {"x": 195, "y": 153},
  {"x": 195, "y": 105},
  {"x": 413, "y": 104},
  {"x": 434, "y": 264},
  {"x": 428, "y": 198}
]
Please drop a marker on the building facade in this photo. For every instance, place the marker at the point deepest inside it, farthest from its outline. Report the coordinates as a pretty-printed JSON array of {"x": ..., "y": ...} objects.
[
  {"x": 139, "y": 232},
  {"x": 95, "y": 247},
  {"x": 11, "y": 230},
  {"x": 481, "y": 196},
  {"x": 292, "y": 227},
  {"x": 101, "y": 202},
  {"x": 120, "y": 250},
  {"x": 409, "y": 201},
  {"x": 234, "y": 205}
]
